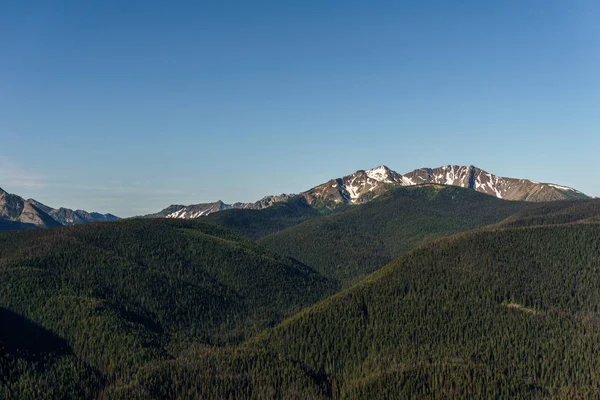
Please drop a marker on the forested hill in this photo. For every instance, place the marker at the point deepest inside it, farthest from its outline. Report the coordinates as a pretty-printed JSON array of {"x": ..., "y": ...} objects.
[
  {"x": 258, "y": 223},
  {"x": 489, "y": 314},
  {"x": 552, "y": 213},
  {"x": 122, "y": 294},
  {"x": 345, "y": 246}
]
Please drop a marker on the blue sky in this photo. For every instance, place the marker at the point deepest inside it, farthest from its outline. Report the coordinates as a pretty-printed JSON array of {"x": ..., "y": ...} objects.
[{"x": 129, "y": 106}]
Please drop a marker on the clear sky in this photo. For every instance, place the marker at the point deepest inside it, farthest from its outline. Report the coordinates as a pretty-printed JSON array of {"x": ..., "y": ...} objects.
[{"x": 129, "y": 106}]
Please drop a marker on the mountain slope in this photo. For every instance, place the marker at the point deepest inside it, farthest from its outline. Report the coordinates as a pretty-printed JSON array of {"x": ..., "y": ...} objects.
[
  {"x": 265, "y": 202},
  {"x": 349, "y": 244},
  {"x": 66, "y": 216},
  {"x": 484, "y": 182},
  {"x": 553, "y": 213},
  {"x": 489, "y": 314},
  {"x": 41, "y": 206},
  {"x": 464, "y": 317},
  {"x": 189, "y": 212},
  {"x": 199, "y": 210},
  {"x": 356, "y": 188},
  {"x": 165, "y": 259},
  {"x": 127, "y": 293},
  {"x": 259, "y": 223},
  {"x": 36, "y": 363},
  {"x": 17, "y": 213}
]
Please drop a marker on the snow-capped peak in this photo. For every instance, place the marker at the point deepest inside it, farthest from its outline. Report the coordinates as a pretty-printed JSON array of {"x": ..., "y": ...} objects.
[{"x": 380, "y": 174}]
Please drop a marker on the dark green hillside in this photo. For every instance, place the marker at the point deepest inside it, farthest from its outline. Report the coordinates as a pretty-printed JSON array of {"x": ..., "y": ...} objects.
[
  {"x": 258, "y": 223},
  {"x": 490, "y": 314},
  {"x": 505, "y": 314},
  {"x": 348, "y": 245},
  {"x": 6, "y": 225},
  {"x": 35, "y": 363},
  {"x": 225, "y": 373},
  {"x": 121, "y": 293},
  {"x": 556, "y": 212}
]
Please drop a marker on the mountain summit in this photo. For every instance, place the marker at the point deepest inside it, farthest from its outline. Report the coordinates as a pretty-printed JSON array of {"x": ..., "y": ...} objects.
[{"x": 356, "y": 188}]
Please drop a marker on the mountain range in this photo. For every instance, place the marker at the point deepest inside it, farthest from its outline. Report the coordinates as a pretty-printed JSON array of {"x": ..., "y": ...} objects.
[
  {"x": 18, "y": 213},
  {"x": 365, "y": 185},
  {"x": 203, "y": 209},
  {"x": 360, "y": 187}
]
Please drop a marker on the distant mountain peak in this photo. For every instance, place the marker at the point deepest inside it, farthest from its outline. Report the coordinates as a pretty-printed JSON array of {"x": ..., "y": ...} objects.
[
  {"x": 380, "y": 174},
  {"x": 14, "y": 208},
  {"x": 355, "y": 188},
  {"x": 202, "y": 209},
  {"x": 33, "y": 213}
]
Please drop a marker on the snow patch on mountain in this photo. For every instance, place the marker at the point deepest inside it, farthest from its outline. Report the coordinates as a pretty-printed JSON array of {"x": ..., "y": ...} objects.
[
  {"x": 380, "y": 174},
  {"x": 562, "y": 187}
]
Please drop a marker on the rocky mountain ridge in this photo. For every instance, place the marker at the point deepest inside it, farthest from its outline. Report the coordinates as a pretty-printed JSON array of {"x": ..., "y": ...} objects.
[
  {"x": 357, "y": 188},
  {"x": 504, "y": 188},
  {"x": 202, "y": 209},
  {"x": 18, "y": 213},
  {"x": 365, "y": 185}
]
